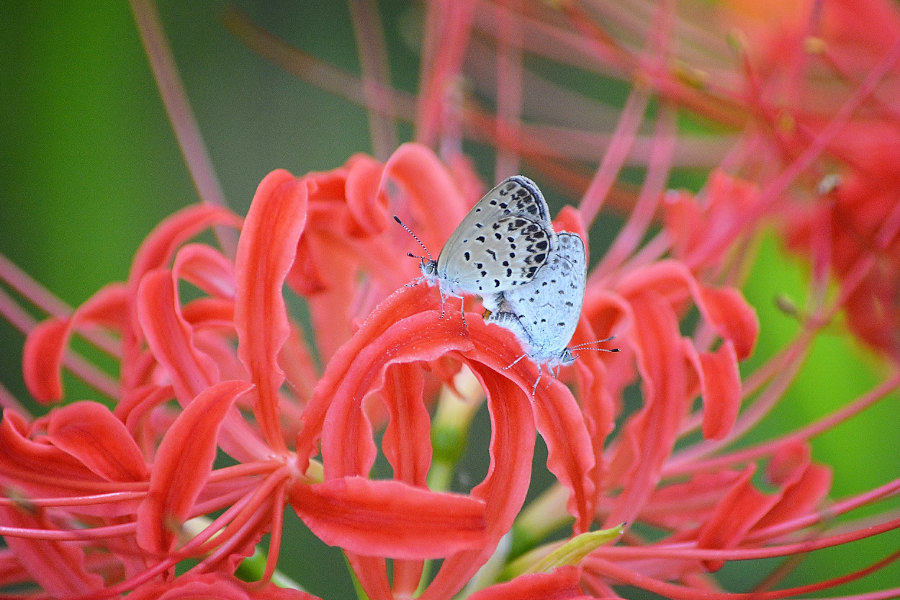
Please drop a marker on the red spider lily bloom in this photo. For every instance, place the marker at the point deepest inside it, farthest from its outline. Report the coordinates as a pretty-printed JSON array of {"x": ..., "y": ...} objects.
[
  {"x": 224, "y": 411},
  {"x": 155, "y": 456},
  {"x": 185, "y": 393}
]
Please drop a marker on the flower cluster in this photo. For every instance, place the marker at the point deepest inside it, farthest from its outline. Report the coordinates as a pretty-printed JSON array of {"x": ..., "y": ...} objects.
[{"x": 227, "y": 407}]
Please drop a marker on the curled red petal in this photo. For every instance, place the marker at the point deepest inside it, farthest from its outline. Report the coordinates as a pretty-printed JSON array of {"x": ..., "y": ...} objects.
[
  {"x": 367, "y": 204},
  {"x": 701, "y": 233},
  {"x": 390, "y": 518},
  {"x": 347, "y": 447},
  {"x": 804, "y": 484},
  {"x": 683, "y": 220},
  {"x": 737, "y": 512},
  {"x": 42, "y": 359},
  {"x": 404, "y": 302},
  {"x": 725, "y": 308},
  {"x": 570, "y": 455},
  {"x": 407, "y": 438},
  {"x": 206, "y": 268},
  {"x": 171, "y": 338},
  {"x": 503, "y": 489},
  {"x": 649, "y": 436},
  {"x": 159, "y": 247},
  {"x": 182, "y": 465},
  {"x": 89, "y": 432},
  {"x": 680, "y": 506},
  {"x": 209, "y": 312},
  {"x": 561, "y": 584},
  {"x": 720, "y": 387},
  {"x": 22, "y": 456},
  {"x": 398, "y": 331},
  {"x": 46, "y": 344},
  {"x": 265, "y": 254},
  {"x": 731, "y": 315},
  {"x": 423, "y": 177}
]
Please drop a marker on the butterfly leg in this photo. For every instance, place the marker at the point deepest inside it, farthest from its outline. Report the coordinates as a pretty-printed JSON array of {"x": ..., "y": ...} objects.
[
  {"x": 536, "y": 382},
  {"x": 513, "y": 363},
  {"x": 553, "y": 374},
  {"x": 415, "y": 282},
  {"x": 443, "y": 300}
]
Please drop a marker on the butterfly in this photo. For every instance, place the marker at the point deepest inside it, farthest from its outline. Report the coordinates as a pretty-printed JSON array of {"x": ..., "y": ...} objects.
[
  {"x": 544, "y": 313},
  {"x": 502, "y": 243}
]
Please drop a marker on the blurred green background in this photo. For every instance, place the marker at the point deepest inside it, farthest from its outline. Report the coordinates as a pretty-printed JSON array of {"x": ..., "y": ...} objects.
[{"x": 89, "y": 164}]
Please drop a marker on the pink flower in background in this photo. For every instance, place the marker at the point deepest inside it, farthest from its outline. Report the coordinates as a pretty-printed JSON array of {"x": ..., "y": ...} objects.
[{"x": 222, "y": 410}]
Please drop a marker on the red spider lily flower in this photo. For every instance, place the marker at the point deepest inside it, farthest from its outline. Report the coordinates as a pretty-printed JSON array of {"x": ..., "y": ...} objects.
[
  {"x": 180, "y": 352},
  {"x": 235, "y": 401},
  {"x": 642, "y": 443}
]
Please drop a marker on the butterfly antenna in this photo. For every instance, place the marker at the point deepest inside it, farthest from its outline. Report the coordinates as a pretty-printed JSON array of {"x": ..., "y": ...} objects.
[
  {"x": 415, "y": 237},
  {"x": 587, "y": 345}
]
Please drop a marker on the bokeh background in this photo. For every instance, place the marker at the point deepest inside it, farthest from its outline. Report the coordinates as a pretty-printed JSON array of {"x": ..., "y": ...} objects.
[{"x": 89, "y": 164}]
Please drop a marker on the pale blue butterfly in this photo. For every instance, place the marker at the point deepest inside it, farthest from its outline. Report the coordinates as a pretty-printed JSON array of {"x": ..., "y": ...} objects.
[
  {"x": 544, "y": 313},
  {"x": 502, "y": 243}
]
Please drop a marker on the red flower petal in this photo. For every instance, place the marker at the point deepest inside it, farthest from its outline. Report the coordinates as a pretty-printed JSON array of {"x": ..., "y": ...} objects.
[
  {"x": 398, "y": 332},
  {"x": 720, "y": 385},
  {"x": 209, "y": 312},
  {"x": 504, "y": 488},
  {"x": 804, "y": 483},
  {"x": 171, "y": 341},
  {"x": 24, "y": 457},
  {"x": 182, "y": 466},
  {"x": 367, "y": 207},
  {"x": 406, "y": 442},
  {"x": 733, "y": 318},
  {"x": 649, "y": 436},
  {"x": 561, "y": 584},
  {"x": 160, "y": 245},
  {"x": 42, "y": 359},
  {"x": 700, "y": 235},
  {"x": 265, "y": 253},
  {"x": 100, "y": 441},
  {"x": 46, "y": 344},
  {"x": 405, "y": 302},
  {"x": 738, "y": 511},
  {"x": 390, "y": 518},
  {"x": 205, "y": 268},
  {"x": 680, "y": 506},
  {"x": 423, "y": 177},
  {"x": 570, "y": 455},
  {"x": 170, "y": 337}
]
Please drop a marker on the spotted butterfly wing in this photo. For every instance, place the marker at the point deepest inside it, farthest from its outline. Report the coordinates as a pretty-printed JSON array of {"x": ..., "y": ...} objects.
[
  {"x": 544, "y": 313},
  {"x": 502, "y": 243}
]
